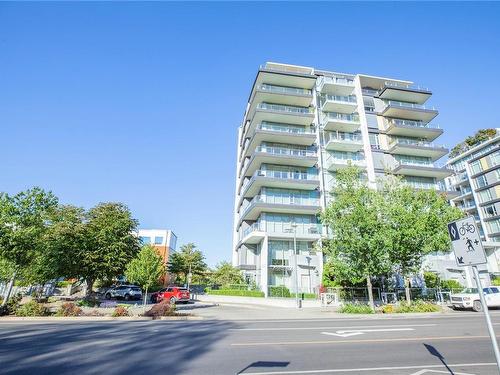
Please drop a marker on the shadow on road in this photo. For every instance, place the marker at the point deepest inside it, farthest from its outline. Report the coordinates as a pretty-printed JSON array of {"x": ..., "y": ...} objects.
[
  {"x": 266, "y": 364},
  {"x": 107, "y": 347},
  {"x": 432, "y": 350}
]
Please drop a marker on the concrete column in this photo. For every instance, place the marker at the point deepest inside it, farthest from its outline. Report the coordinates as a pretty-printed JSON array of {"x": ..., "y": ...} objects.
[{"x": 264, "y": 268}]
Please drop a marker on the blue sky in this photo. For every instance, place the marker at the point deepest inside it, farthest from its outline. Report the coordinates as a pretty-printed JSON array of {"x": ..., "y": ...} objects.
[{"x": 140, "y": 102}]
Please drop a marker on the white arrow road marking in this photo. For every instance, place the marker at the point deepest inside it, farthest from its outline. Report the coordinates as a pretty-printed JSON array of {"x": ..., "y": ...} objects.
[
  {"x": 355, "y": 332},
  {"x": 425, "y": 371}
]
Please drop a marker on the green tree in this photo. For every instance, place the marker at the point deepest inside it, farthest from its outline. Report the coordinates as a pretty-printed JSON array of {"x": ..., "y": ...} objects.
[
  {"x": 418, "y": 226},
  {"x": 469, "y": 142},
  {"x": 109, "y": 243},
  {"x": 145, "y": 269},
  {"x": 186, "y": 262},
  {"x": 225, "y": 274},
  {"x": 359, "y": 232},
  {"x": 24, "y": 219}
]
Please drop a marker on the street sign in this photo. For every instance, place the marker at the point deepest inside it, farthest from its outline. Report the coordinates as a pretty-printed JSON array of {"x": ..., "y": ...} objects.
[{"x": 466, "y": 242}]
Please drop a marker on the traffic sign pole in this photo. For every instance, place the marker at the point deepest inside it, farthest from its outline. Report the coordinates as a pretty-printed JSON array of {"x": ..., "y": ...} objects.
[{"x": 487, "y": 316}]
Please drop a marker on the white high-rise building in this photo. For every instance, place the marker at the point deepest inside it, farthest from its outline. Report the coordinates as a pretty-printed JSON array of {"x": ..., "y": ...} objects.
[{"x": 300, "y": 126}]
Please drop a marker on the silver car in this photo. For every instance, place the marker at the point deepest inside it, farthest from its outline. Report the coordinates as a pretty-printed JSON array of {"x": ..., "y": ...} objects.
[{"x": 127, "y": 292}]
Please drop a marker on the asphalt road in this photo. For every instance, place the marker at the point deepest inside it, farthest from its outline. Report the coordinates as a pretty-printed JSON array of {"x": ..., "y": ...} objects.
[{"x": 450, "y": 344}]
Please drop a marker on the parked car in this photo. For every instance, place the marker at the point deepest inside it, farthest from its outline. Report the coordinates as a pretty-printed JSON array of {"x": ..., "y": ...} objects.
[
  {"x": 469, "y": 298},
  {"x": 173, "y": 294},
  {"x": 127, "y": 292}
]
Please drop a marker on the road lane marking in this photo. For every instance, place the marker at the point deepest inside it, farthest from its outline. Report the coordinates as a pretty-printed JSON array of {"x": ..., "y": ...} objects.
[
  {"x": 330, "y": 327},
  {"x": 322, "y": 342},
  {"x": 371, "y": 369},
  {"x": 425, "y": 371},
  {"x": 354, "y": 332}
]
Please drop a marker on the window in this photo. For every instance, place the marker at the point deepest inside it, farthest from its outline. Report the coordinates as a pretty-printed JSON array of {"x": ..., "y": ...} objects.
[
  {"x": 490, "y": 210},
  {"x": 495, "y": 158},
  {"x": 476, "y": 167},
  {"x": 485, "y": 195},
  {"x": 481, "y": 181},
  {"x": 494, "y": 226},
  {"x": 145, "y": 240},
  {"x": 158, "y": 240}
]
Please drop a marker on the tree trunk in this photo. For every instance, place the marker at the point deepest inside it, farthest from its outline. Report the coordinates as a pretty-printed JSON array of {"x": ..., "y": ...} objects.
[
  {"x": 407, "y": 290},
  {"x": 90, "y": 286},
  {"x": 9, "y": 288},
  {"x": 145, "y": 298},
  {"x": 370, "y": 292}
]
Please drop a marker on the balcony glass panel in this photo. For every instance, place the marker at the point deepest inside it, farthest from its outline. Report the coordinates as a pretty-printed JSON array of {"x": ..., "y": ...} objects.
[
  {"x": 342, "y": 116},
  {"x": 339, "y": 98},
  {"x": 414, "y": 123},
  {"x": 342, "y": 136},
  {"x": 285, "y": 151},
  {"x": 287, "y": 175},
  {"x": 283, "y": 128},
  {"x": 395, "y": 103},
  {"x": 414, "y": 142},
  {"x": 285, "y": 108},
  {"x": 285, "y": 89}
]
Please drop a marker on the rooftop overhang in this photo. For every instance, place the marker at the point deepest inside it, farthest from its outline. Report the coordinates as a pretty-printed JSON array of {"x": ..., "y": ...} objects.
[
  {"x": 407, "y": 113},
  {"x": 405, "y": 94}
]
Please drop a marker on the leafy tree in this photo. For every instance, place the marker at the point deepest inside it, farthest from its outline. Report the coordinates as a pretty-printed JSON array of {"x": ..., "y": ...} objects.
[
  {"x": 225, "y": 274},
  {"x": 359, "y": 232},
  {"x": 187, "y": 261},
  {"x": 23, "y": 223},
  {"x": 431, "y": 279},
  {"x": 418, "y": 225},
  {"x": 145, "y": 269},
  {"x": 109, "y": 243},
  {"x": 469, "y": 142}
]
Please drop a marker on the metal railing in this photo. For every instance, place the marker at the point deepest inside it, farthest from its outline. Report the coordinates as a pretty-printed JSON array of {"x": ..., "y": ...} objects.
[
  {"x": 411, "y": 142},
  {"x": 408, "y": 86},
  {"x": 395, "y": 103},
  {"x": 285, "y": 151},
  {"x": 286, "y": 175},
  {"x": 342, "y": 99},
  {"x": 276, "y": 127},
  {"x": 344, "y": 137},
  {"x": 341, "y": 116}
]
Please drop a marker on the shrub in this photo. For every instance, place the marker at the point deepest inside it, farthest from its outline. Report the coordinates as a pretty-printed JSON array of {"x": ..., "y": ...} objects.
[
  {"x": 11, "y": 306},
  {"x": 495, "y": 282},
  {"x": 387, "y": 309},
  {"x": 355, "y": 308},
  {"x": 69, "y": 309},
  {"x": 163, "y": 308},
  {"x": 279, "y": 291},
  {"x": 120, "y": 311},
  {"x": 63, "y": 284},
  {"x": 451, "y": 284},
  {"x": 233, "y": 292},
  {"x": 89, "y": 301},
  {"x": 32, "y": 308},
  {"x": 417, "y": 307}
]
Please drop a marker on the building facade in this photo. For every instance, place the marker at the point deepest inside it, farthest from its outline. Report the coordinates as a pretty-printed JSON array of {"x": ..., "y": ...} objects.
[
  {"x": 163, "y": 240},
  {"x": 300, "y": 126},
  {"x": 476, "y": 183}
]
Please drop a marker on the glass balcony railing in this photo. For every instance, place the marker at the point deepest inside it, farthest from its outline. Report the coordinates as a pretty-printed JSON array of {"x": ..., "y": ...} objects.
[
  {"x": 287, "y": 175},
  {"x": 424, "y": 185},
  {"x": 343, "y": 99},
  {"x": 341, "y": 117},
  {"x": 411, "y": 142},
  {"x": 276, "y": 127},
  {"x": 300, "y": 230},
  {"x": 416, "y": 124},
  {"x": 394, "y": 103},
  {"x": 280, "y": 262},
  {"x": 285, "y": 200},
  {"x": 336, "y": 80},
  {"x": 343, "y": 137},
  {"x": 417, "y": 163},
  {"x": 285, "y": 90},
  {"x": 408, "y": 87},
  {"x": 286, "y": 108},
  {"x": 285, "y": 151}
]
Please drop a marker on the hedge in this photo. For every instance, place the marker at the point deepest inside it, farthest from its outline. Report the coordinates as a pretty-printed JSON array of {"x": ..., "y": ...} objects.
[{"x": 233, "y": 292}]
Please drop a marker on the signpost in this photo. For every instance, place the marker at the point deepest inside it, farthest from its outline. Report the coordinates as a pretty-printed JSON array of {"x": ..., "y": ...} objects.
[{"x": 468, "y": 249}]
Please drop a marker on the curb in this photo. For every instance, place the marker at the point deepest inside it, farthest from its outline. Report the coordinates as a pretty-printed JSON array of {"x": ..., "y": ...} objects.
[
  {"x": 182, "y": 318},
  {"x": 72, "y": 318}
]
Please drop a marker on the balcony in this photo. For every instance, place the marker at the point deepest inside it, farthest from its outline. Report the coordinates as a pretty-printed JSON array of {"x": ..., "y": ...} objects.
[
  {"x": 252, "y": 234},
  {"x": 286, "y": 205},
  {"x": 404, "y": 93},
  {"x": 279, "y": 179},
  {"x": 417, "y": 148},
  {"x": 343, "y": 142},
  {"x": 286, "y": 75},
  {"x": 285, "y": 114},
  {"x": 339, "y": 104},
  {"x": 414, "y": 168},
  {"x": 280, "y": 155},
  {"x": 256, "y": 232},
  {"x": 336, "y": 85},
  {"x": 411, "y": 128},
  {"x": 280, "y": 133},
  {"x": 460, "y": 179},
  {"x": 281, "y": 95},
  {"x": 336, "y": 163},
  {"x": 409, "y": 111},
  {"x": 341, "y": 122}
]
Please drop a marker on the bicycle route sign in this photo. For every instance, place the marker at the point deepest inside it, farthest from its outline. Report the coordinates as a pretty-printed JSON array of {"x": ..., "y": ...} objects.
[{"x": 466, "y": 242}]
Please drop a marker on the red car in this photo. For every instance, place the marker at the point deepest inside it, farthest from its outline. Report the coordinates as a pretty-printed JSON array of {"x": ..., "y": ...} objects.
[{"x": 172, "y": 293}]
